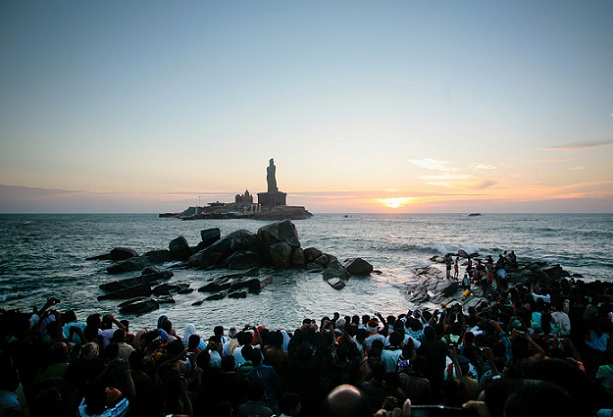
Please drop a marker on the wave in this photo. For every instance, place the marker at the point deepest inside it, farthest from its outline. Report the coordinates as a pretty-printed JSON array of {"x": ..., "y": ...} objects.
[{"x": 20, "y": 295}]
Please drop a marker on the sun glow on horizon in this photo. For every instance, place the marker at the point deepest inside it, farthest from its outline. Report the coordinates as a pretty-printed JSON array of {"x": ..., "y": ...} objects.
[{"x": 396, "y": 202}]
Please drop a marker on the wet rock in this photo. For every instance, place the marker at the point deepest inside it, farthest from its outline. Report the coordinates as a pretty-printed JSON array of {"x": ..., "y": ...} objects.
[
  {"x": 335, "y": 270},
  {"x": 336, "y": 283},
  {"x": 218, "y": 251},
  {"x": 168, "y": 289},
  {"x": 179, "y": 248},
  {"x": 280, "y": 255},
  {"x": 243, "y": 260},
  {"x": 280, "y": 232},
  {"x": 151, "y": 277},
  {"x": 238, "y": 294},
  {"x": 310, "y": 254},
  {"x": 159, "y": 256},
  {"x": 165, "y": 299},
  {"x": 218, "y": 296},
  {"x": 140, "y": 307},
  {"x": 133, "y": 264},
  {"x": 298, "y": 258},
  {"x": 358, "y": 267},
  {"x": 116, "y": 254},
  {"x": 210, "y": 236},
  {"x": 314, "y": 267},
  {"x": 136, "y": 291}
]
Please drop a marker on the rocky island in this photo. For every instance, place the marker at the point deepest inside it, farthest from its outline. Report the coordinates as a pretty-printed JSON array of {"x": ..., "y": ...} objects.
[{"x": 271, "y": 205}]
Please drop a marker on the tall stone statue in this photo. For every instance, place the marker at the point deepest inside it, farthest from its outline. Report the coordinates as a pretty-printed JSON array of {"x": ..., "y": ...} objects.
[{"x": 271, "y": 176}]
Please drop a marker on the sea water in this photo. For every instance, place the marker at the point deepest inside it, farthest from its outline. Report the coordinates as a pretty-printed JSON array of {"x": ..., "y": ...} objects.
[{"x": 43, "y": 255}]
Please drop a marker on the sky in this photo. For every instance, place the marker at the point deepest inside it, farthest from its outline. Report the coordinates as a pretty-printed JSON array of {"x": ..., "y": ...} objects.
[{"x": 366, "y": 106}]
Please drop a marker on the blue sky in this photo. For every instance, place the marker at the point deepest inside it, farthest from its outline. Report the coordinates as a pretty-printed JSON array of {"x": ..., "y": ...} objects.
[{"x": 412, "y": 106}]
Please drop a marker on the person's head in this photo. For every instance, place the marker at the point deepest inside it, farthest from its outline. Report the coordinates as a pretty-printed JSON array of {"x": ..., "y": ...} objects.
[
  {"x": 118, "y": 336},
  {"x": 69, "y": 317},
  {"x": 346, "y": 401},
  {"x": 276, "y": 339},
  {"x": 106, "y": 323},
  {"x": 227, "y": 363},
  {"x": 396, "y": 339},
  {"x": 218, "y": 331},
  {"x": 429, "y": 333},
  {"x": 290, "y": 403},
  {"x": 533, "y": 398},
  {"x": 374, "y": 355},
  {"x": 256, "y": 357},
  {"x": 193, "y": 342}
]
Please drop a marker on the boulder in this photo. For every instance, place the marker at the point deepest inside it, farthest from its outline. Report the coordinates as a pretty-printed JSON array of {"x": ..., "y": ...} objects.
[
  {"x": 139, "y": 307},
  {"x": 149, "y": 278},
  {"x": 280, "y": 255},
  {"x": 218, "y": 296},
  {"x": 335, "y": 270},
  {"x": 116, "y": 254},
  {"x": 244, "y": 259},
  {"x": 323, "y": 260},
  {"x": 210, "y": 236},
  {"x": 298, "y": 258},
  {"x": 238, "y": 294},
  {"x": 314, "y": 267},
  {"x": 358, "y": 266},
  {"x": 165, "y": 299},
  {"x": 337, "y": 283},
  {"x": 217, "y": 252},
  {"x": 136, "y": 291},
  {"x": 158, "y": 256},
  {"x": 168, "y": 289},
  {"x": 122, "y": 253},
  {"x": 280, "y": 232},
  {"x": 179, "y": 248},
  {"x": 133, "y": 264},
  {"x": 310, "y": 254}
]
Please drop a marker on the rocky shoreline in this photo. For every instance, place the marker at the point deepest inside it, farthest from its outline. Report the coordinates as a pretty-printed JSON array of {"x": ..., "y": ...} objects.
[
  {"x": 274, "y": 246},
  {"x": 250, "y": 258}
]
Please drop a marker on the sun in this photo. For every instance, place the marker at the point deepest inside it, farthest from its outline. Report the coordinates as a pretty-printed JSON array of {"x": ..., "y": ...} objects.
[{"x": 395, "y": 202}]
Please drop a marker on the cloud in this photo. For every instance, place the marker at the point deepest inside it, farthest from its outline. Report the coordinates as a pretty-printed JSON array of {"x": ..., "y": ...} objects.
[
  {"x": 579, "y": 145},
  {"x": 485, "y": 184},
  {"x": 578, "y": 168},
  {"x": 432, "y": 164},
  {"x": 476, "y": 165},
  {"x": 549, "y": 160}
]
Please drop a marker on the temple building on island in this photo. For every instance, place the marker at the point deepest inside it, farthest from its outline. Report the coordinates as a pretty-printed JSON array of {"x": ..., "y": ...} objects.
[
  {"x": 271, "y": 205},
  {"x": 244, "y": 198}
]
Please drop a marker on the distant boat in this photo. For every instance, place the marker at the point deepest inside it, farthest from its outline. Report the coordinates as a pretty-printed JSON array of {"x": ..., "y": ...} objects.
[{"x": 474, "y": 214}]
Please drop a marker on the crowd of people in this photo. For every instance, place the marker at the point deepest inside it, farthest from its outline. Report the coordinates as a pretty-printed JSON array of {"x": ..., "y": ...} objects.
[{"x": 534, "y": 350}]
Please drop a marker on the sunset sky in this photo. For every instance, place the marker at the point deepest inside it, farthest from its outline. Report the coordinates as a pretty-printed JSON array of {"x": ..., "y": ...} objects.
[{"x": 366, "y": 106}]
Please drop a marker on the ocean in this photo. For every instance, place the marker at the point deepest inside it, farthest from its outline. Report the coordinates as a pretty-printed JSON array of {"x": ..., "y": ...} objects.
[{"x": 43, "y": 255}]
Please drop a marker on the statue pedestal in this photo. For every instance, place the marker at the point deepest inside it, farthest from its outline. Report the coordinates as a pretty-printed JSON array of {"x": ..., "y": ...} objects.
[{"x": 272, "y": 199}]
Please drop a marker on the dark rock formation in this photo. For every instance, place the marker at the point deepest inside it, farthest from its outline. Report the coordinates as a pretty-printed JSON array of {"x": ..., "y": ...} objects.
[
  {"x": 179, "y": 248},
  {"x": 133, "y": 264},
  {"x": 335, "y": 270},
  {"x": 148, "y": 277},
  {"x": 116, "y": 254},
  {"x": 135, "y": 291},
  {"x": 358, "y": 266},
  {"x": 244, "y": 259},
  {"x": 138, "y": 307},
  {"x": 210, "y": 236},
  {"x": 159, "y": 256},
  {"x": 220, "y": 250}
]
